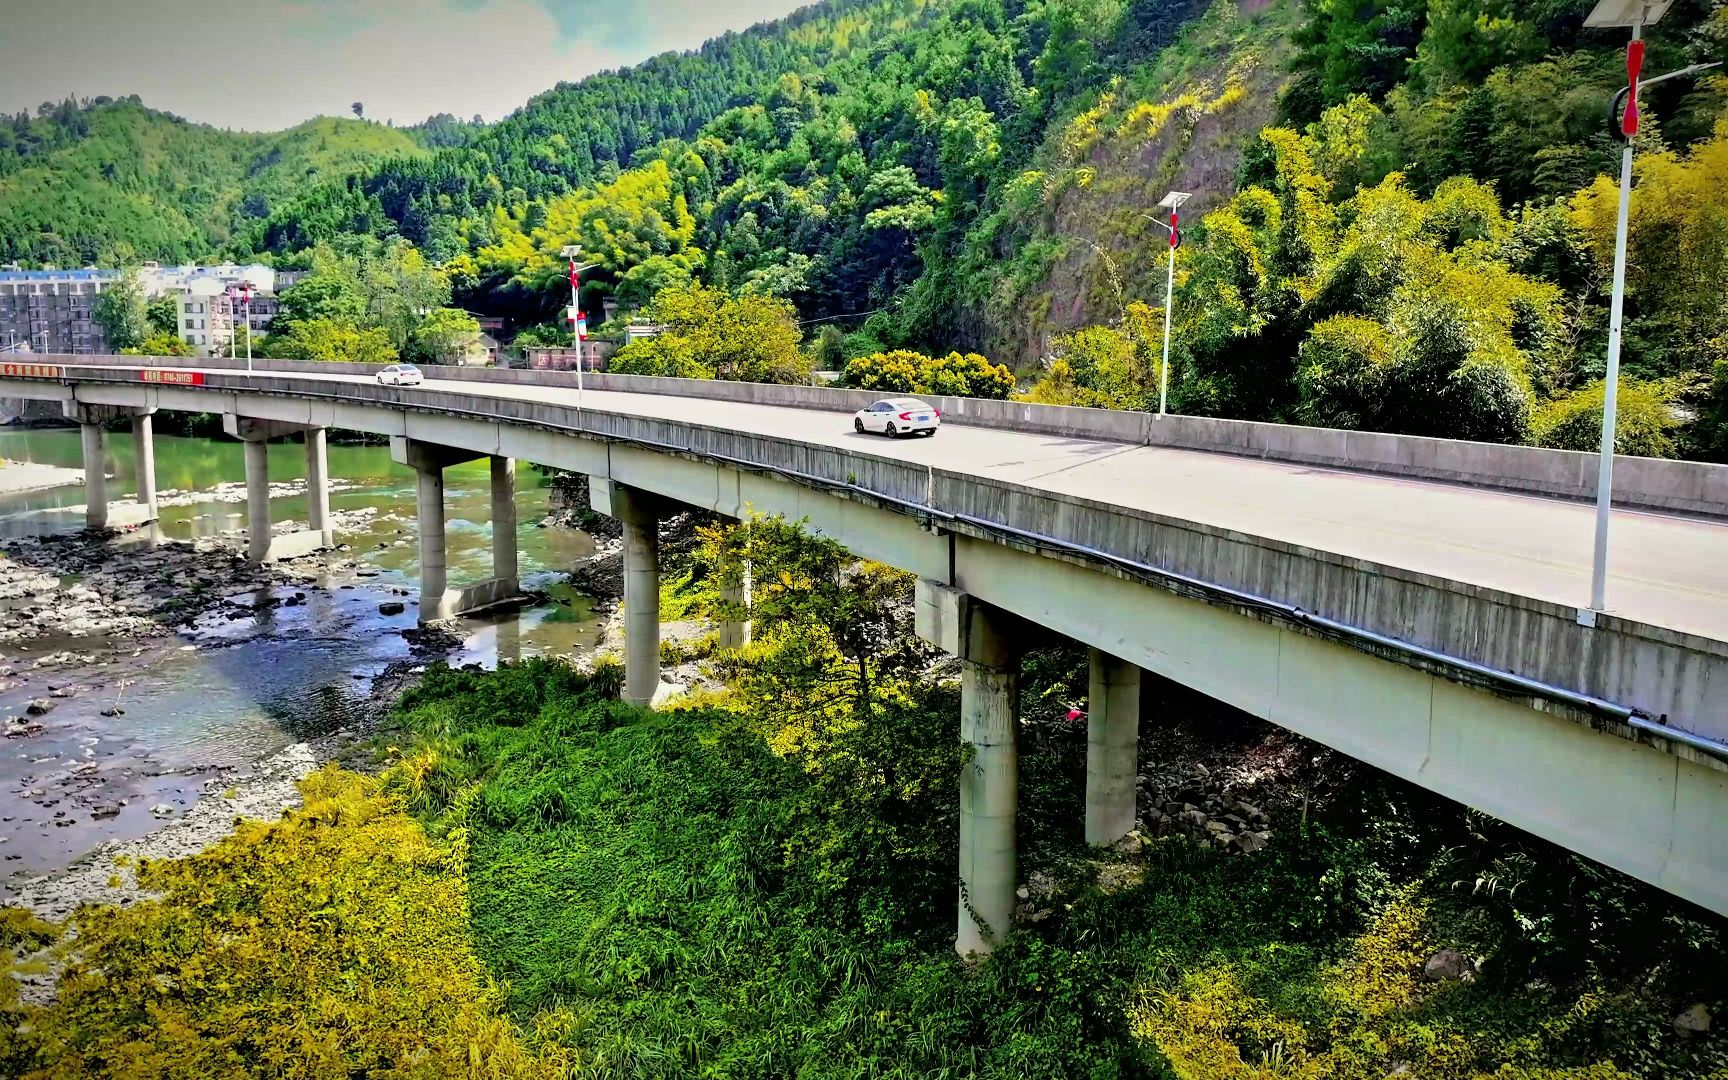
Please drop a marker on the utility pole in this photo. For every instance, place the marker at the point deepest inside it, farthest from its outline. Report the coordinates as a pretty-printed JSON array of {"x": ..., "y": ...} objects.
[{"x": 1636, "y": 14}]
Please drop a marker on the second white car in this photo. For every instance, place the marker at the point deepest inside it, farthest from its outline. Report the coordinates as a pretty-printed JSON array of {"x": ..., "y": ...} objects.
[
  {"x": 894, "y": 417},
  {"x": 400, "y": 375}
]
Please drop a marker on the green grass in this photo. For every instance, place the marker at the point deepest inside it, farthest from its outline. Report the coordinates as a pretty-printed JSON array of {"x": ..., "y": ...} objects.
[{"x": 667, "y": 897}]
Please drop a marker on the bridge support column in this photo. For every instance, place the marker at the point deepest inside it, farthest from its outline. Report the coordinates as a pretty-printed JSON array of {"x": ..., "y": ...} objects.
[
  {"x": 434, "y": 576},
  {"x": 144, "y": 447},
  {"x": 735, "y": 633},
  {"x": 262, "y": 546},
  {"x": 437, "y": 600},
  {"x": 257, "y": 501},
  {"x": 504, "y": 565},
  {"x": 1112, "y": 748},
  {"x": 318, "y": 488},
  {"x": 92, "y": 424},
  {"x": 640, "y": 514},
  {"x": 988, "y": 643},
  {"x": 95, "y": 476}
]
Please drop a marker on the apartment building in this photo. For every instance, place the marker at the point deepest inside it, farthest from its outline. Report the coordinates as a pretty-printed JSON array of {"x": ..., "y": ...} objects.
[
  {"x": 52, "y": 310},
  {"x": 209, "y": 319}
]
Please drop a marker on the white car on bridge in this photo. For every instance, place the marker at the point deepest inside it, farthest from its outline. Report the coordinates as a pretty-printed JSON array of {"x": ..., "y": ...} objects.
[
  {"x": 897, "y": 416},
  {"x": 400, "y": 375}
]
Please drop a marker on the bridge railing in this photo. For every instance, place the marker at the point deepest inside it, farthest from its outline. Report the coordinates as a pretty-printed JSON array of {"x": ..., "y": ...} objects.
[{"x": 1640, "y": 483}]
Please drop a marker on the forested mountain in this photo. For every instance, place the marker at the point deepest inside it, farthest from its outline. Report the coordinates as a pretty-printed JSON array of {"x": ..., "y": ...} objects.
[
  {"x": 1398, "y": 218},
  {"x": 81, "y": 181}
]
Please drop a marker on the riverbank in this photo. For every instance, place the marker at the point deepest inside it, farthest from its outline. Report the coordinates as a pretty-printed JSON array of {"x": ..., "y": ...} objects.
[
  {"x": 143, "y": 671},
  {"x": 20, "y": 476}
]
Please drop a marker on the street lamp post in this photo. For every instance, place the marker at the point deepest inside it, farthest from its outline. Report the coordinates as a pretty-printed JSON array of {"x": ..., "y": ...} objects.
[
  {"x": 1173, "y": 203},
  {"x": 246, "y": 296},
  {"x": 1636, "y": 14},
  {"x": 578, "y": 321},
  {"x": 233, "y": 295}
]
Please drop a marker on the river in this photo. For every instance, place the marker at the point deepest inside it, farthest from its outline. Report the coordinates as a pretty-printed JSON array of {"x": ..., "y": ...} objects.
[{"x": 203, "y": 705}]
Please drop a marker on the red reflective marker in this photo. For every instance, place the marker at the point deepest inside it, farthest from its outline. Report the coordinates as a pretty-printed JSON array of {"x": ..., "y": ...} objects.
[{"x": 1634, "y": 68}]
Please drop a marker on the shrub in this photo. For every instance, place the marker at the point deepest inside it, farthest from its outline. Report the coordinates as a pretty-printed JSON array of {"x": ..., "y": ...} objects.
[
  {"x": 905, "y": 372},
  {"x": 1644, "y": 423}
]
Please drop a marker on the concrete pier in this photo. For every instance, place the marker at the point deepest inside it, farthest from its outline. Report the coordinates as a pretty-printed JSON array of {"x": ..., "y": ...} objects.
[
  {"x": 95, "y": 476},
  {"x": 988, "y": 643},
  {"x": 1112, "y": 748},
  {"x": 318, "y": 488},
  {"x": 261, "y": 545},
  {"x": 437, "y": 600},
  {"x": 735, "y": 633},
  {"x": 504, "y": 566},
  {"x": 144, "y": 448},
  {"x": 640, "y": 513},
  {"x": 257, "y": 501}
]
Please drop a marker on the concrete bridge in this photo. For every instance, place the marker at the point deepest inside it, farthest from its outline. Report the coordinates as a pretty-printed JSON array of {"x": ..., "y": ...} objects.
[{"x": 1411, "y": 602}]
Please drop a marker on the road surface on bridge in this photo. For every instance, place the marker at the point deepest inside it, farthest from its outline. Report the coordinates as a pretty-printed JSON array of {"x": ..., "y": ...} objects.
[{"x": 1665, "y": 570}]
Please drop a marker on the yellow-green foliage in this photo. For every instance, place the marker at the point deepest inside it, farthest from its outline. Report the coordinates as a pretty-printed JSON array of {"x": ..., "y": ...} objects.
[
  {"x": 905, "y": 372},
  {"x": 1644, "y": 418},
  {"x": 1364, "y": 1014},
  {"x": 20, "y": 929},
  {"x": 330, "y": 943},
  {"x": 1107, "y": 367}
]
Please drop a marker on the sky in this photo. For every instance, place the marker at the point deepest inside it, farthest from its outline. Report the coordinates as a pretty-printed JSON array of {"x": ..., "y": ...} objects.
[{"x": 269, "y": 65}]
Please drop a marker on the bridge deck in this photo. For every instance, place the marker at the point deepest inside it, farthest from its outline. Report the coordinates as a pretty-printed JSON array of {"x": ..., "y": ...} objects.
[{"x": 1664, "y": 570}]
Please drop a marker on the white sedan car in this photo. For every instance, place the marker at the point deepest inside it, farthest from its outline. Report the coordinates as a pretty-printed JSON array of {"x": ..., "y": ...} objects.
[
  {"x": 400, "y": 375},
  {"x": 897, "y": 416}
]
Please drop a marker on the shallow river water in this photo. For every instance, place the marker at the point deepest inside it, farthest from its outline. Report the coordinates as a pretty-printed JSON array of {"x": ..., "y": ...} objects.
[{"x": 206, "y": 703}]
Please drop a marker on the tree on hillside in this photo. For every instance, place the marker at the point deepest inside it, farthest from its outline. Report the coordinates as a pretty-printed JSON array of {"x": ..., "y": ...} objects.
[
  {"x": 903, "y": 371},
  {"x": 446, "y": 335},
  {"x": 1401, "y": 314},
  {"x": 336, "y": 340},
  {"x": 322, "y": 296},
  {"x": 707, "y": 334}
]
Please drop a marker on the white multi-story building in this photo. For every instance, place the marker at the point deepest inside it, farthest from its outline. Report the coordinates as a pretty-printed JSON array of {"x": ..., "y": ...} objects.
[
  {"x": 53, "y": 311},
  {"x": 208, "y": 320}
]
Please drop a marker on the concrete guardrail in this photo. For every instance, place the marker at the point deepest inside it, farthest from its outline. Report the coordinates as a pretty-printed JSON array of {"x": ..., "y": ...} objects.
[{"x": 1639, "y": 483}]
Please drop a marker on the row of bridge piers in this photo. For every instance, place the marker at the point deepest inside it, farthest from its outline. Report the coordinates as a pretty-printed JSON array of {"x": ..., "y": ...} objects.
[{"x": 988, "y": 642}]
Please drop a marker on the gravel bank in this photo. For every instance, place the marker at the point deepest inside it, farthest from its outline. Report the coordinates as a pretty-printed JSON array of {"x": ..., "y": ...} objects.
[{"x": 16, "y": 476}]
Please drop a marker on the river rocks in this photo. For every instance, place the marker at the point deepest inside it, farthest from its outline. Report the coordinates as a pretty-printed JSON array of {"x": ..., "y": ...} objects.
[
  {"x": 1449, "y": 965},
  {"x": 391, "y": 607},
  {"x": 19, "y": 727},
  {"x": 162, "y": 810},
  {"x": 40, "y": 707}
]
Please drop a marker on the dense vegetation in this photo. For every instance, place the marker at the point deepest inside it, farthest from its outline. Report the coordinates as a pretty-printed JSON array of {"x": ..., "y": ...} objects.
[
  {"x": 80, "y": 183},
  {"x": 757, "y": 883},
  {"x": 1400, "y": 220}
]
